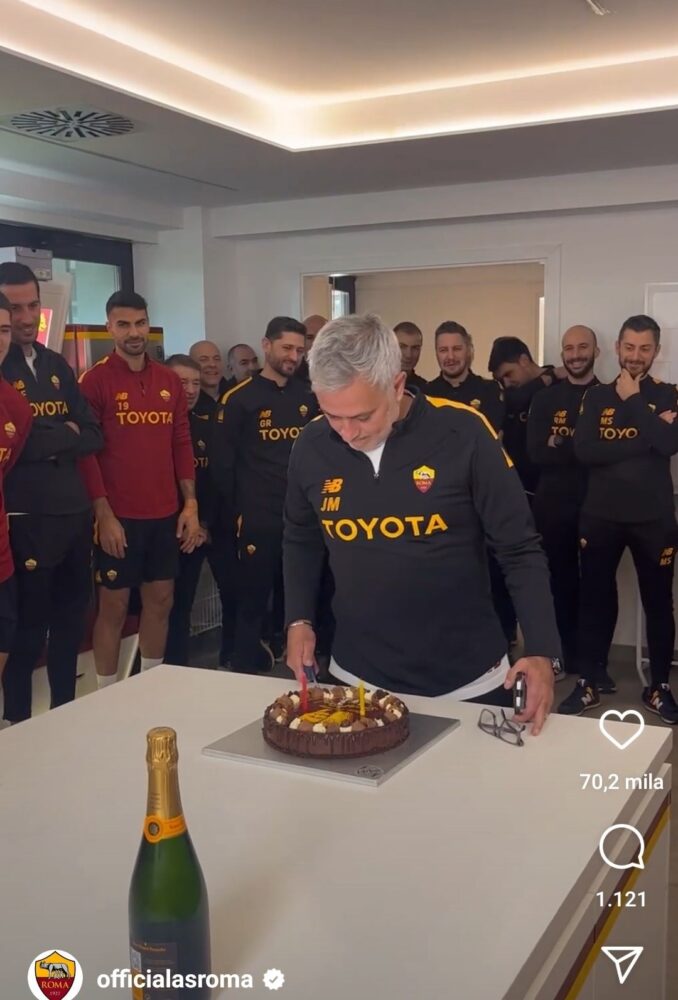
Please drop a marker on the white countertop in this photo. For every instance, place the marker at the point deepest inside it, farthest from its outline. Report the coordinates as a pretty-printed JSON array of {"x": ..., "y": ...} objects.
[{"x": 439, "y": 883}]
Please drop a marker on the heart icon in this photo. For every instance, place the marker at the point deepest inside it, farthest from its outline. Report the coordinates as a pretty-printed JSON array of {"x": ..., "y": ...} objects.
[{"x": 622, "y": 717}]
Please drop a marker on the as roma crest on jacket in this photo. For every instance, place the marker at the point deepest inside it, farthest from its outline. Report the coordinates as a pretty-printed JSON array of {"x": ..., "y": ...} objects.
[{"x": 423, "y": 478}]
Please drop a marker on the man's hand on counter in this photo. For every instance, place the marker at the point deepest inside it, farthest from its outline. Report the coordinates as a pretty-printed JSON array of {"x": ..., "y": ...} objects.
[
  {"x": 300, "y": 649},
  {"x": 539, "y": 681}
]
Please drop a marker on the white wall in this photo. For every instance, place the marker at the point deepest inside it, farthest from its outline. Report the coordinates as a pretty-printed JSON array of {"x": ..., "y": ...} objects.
[
  {"x": 170, "y": 274},
  {"x": 490, "y": 301},
  {"x": 597, "y": 265}
]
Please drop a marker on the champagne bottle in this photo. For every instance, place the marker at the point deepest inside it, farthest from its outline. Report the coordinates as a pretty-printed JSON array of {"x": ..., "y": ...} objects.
[{"x": 168, "y": 909}]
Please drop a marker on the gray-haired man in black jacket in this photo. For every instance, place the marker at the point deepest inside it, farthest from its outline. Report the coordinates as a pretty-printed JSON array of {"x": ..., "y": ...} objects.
[{"x": 406, "y": 493}]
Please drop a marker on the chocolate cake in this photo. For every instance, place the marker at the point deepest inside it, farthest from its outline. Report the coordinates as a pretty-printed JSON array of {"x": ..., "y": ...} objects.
[{"x": 332, "y": 725}]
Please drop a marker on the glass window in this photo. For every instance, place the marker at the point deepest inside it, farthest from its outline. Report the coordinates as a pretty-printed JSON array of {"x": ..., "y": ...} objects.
[
  {"x": 341, "y": 304},
  {"x": 92, "y": 286}
]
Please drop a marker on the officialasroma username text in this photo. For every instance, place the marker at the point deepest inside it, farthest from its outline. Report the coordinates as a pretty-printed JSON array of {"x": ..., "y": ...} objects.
[{"x": 166, "y": 979}]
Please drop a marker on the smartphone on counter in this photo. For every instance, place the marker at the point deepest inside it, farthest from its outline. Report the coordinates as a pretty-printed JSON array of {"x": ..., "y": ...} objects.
[{"x": 519, "y": 694}]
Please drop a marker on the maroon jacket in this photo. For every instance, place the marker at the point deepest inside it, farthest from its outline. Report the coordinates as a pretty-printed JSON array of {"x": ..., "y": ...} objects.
[
  {"x": 15, "y": 424},
  {"x": 147, "y": 437}
]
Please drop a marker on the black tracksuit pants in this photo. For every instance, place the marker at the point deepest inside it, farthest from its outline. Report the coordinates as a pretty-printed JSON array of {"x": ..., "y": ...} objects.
[
  {"x": 53, "y": 558},
  {"x": 260, "y": 566},
  {"x": 652, "y": 547},
  {"x": 559, "y": 530},
  {"x": 221, "y": 555}
]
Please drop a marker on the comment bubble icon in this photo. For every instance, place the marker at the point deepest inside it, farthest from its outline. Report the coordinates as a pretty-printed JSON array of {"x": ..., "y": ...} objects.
[{"x": 603, "y": 845}]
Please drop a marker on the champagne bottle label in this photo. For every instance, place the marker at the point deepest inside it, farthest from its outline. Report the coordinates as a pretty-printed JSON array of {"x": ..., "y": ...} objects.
[
  {"x": 156, "y": 828},
  {"x": 153, "y": 960}
]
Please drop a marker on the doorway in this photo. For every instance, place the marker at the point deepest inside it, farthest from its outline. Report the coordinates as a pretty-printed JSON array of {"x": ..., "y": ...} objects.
[{"x": 490, "y": 300}]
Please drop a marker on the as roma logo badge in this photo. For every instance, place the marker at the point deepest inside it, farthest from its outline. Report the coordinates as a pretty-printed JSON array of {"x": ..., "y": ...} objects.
[
  {"x": 55, "y": 975},
  {"x": 423, "y": 478}
]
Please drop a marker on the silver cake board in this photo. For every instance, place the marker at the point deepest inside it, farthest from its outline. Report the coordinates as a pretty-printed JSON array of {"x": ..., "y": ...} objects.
[{"x": 248, "y": 745}]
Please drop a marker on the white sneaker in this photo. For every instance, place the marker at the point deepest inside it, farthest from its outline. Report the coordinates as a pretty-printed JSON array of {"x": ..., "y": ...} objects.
[{"x": 558, "y": 672}]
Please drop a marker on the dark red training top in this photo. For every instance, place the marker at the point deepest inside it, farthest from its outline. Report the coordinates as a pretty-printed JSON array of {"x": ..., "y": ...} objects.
[{"x": 147, "y": 438}]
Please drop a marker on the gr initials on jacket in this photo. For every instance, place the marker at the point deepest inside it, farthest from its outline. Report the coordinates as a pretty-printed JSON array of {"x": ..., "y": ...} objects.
[{"x": 258, "y": 421}]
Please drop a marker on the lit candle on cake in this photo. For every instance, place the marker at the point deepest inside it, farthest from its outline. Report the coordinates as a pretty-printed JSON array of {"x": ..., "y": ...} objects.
[{"x": 361, "y": 698}]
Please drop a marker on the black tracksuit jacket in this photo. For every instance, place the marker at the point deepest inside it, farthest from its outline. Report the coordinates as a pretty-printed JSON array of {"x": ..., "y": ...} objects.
[
  {"x": 518, "y": 402},
  {"x": 627, "y": 448},
  {"x": 202, "y": 430},
  {"x": 407, "y": 548},
  {"x": 483, "y": 394},
  {"x": 46, "y": 479},
  {"x": 256, "y": 425},
  {"x": 562, "y": 478}
]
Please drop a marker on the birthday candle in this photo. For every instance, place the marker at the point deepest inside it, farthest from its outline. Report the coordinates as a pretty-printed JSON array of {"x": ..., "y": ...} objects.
[{"x": 361, "y": 698}]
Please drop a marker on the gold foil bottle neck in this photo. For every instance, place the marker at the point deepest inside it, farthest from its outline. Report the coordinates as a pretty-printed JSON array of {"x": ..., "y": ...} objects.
[{"x": 162, "y": 747}]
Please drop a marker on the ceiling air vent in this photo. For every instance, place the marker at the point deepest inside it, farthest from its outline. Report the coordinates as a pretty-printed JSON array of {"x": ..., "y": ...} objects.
[{"x": 68, "y": 124}]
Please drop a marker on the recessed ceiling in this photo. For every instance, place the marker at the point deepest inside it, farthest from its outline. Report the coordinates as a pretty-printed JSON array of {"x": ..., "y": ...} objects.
[
  {"x": 174, "y": 159},
  {"x": 304, "y": 75}
]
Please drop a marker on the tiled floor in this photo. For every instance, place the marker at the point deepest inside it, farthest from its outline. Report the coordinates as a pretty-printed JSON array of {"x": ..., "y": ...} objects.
[{"x": 204, "y": 653}]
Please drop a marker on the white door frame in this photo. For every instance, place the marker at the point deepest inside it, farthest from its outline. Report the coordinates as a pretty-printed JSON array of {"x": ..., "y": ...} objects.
[{"x": 548, "y": 254}]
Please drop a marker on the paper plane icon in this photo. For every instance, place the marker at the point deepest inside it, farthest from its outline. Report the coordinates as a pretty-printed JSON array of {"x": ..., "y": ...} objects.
[{"x": 624, "y": 960}]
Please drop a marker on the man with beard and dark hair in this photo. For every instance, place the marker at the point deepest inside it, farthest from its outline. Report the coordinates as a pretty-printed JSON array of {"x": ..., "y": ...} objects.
[
  {"x": 257, "y": 424},
  {"x": 50, "y": 514},
  {"x": 454, "y": 351},
  {"x": 141, "y": 525},
  {"x": 512, "y": 365},
  {"x": 562, "y": 479},
  {"x": 626, "y": 434},
  {"x": 410, "y": 341}
]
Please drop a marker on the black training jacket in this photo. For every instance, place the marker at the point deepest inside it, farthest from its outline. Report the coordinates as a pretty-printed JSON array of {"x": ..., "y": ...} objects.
[
  {"x": 518, "y": 402},
  {"x": 46, "y": 479},
  {"x": 554, "y": 414},
  {"x": 256, "y": 425},
  {"x": 202, "y": 430},
  {"x": 415, "y": 381},
  {"x": 407, "y": 549},
  {"x": 627, "y": 448},
  {"x": 207, "y": 405},
  {"x": 483, "y": 394}
]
